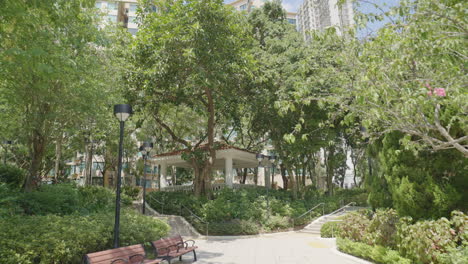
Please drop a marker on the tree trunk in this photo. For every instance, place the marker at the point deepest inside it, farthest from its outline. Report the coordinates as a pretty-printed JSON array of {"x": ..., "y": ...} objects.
[
  {"x": 37, "y": 150},
  {"x": 58, "y": 156},
  {"x": 330, "y": 168},
  {"x": 244, "y": 175},
  {"x": 283, "y": 175},
  {"x": 304, "y": 168},
  {"x": 292, "y": 179},
  {"x": 89, "y": 161},
  {"x": 255, "y": 176}
]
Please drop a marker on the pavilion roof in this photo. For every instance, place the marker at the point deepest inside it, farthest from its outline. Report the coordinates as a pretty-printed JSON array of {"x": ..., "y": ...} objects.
[{"x": 204, "y": 147}]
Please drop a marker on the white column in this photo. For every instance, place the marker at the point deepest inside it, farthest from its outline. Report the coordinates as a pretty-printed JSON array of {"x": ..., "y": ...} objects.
[
  {"x": 228, "y": 169},
  {"x": 163, "y": 174}
]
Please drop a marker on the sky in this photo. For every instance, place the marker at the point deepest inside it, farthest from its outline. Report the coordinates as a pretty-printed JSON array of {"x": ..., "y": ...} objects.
[{"x": 365, "y": 7}]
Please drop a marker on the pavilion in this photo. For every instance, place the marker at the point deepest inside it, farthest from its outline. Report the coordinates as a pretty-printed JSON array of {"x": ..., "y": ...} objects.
[{"x": 227, "y": 158}]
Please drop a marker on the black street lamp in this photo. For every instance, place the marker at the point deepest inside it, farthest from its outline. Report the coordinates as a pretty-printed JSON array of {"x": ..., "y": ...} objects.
[
  {"x": 145, "y": 150},
  {"x": 271, "y": 159},
  {"x": 122, "y": 112},
  {"x": 6, "y": 143}
]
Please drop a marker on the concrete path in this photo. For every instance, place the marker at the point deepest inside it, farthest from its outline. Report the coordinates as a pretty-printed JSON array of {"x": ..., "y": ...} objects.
[{"x": 279, "y": 248}]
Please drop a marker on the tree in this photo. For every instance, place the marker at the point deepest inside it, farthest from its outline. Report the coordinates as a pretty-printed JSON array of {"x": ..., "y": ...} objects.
[
  {"x": 51, "y": 68},
  {"x": 190, "y": 59},
  {"x": 414, "y": 77}
]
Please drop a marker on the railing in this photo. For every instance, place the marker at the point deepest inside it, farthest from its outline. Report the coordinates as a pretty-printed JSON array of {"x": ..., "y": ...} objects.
[
  {"x": 341, "y": 208},
  {"x": 182, "y": 207},
  {"x": 309, "y": 212},
  {"x": 214, "y": 187},
  {"x": 194, "y": 215}
]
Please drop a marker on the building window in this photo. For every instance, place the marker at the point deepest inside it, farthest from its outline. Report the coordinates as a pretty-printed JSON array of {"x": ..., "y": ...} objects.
[
  {"x": 133, "y": 7},
  {"x": 112, "y": 18},
  {"x": 112, "y": 6},
  {"x": 243, "y": 7},
  {"x": 292, "y": 21},
  {"x": 133, "y": 31},
  {"x": 98, "y": 5},
  {"x": 132, "y": 19}
]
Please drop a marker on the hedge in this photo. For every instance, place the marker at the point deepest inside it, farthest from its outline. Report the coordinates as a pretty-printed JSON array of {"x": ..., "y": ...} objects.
[
  {"x": 66, "y": 239},
  {"x": 330, "y": 229},
  {"x": 376, "y": 254}
]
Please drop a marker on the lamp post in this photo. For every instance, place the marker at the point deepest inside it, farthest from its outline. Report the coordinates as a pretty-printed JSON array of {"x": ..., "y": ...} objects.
[
  {"x": 145, "y": 150},
  {"x": 270, "y": 159},
  {"x": 6, "y": 143},
  {"x": 122, "y": 112}
]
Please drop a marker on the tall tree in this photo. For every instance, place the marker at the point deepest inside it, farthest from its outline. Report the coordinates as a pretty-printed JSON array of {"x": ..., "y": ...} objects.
[
  {"x": 51, "y": 72},
  {"x": 190, "y": 58}
]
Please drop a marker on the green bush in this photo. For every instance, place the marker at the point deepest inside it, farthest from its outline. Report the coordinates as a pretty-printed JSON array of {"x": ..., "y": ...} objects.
[
  {"x": 234, "y": 227},
  {"x": 12, "y": 176},
  {"x": 9, "y": 204},
  {"x": 377, "y": 254},
  {"x": 330, "y": 229},
  {"x": 58, "y": 199},
  {"x": 131, "y": 191},
  {"x": 276, "y": 222},
  {"x": 425, "y": 241},
  {"x": 66, "y": 239},
  {"x": 354, "y": 226},
  {"x": 382, "y": 229}
]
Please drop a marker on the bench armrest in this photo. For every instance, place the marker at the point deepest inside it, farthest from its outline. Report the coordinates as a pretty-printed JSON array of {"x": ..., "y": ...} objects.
[
  {"x": 137, "y": 258},
  {"x": 190, "y": 240}
]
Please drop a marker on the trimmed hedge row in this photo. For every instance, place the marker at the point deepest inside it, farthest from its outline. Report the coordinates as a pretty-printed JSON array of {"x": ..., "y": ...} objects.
[
  {"x": 377, "y": 254},
  {"x": 66, "y": 239}
]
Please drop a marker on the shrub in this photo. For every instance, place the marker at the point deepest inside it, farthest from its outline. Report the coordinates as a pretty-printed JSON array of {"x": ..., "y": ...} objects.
[
  {"x": 378, "y": 254},
  {"x": 58, "y": 199},
  {"x": 65, "y": 239},
  {"x": 382, "y": 229},
  {"x": 96, "y": 198},
  {"x": 276, "y": 222},
  {"x": 9, "y": 204},
  {"x": 12, "y": 176},
  {"x": 354, "y": 226},
  {"x": 330, "y": 229},
  {"x": 234, "y": 227},
  {"x": 425, "y": 241},
  {"x": 131, "y": 191}
]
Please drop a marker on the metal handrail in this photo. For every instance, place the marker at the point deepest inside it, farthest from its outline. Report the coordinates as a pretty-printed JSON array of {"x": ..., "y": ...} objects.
[
  {"x": 159, "y": 202},
  {"x": 184, "y": 207},
  {"x": 196, "y": 216},
  {"x": 341, "y": 208},
  {"x": 310, "y": 210}
]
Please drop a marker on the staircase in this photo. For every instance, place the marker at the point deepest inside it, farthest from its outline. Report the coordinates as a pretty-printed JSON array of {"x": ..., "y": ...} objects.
[
  {"x": 178, "y": 224},
  {"x": 314, "y": 227}
]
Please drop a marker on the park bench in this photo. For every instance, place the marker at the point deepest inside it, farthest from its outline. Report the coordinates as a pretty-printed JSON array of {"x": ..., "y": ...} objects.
[
  {"x": 124, "y": 255},
  {"x": 173, "y": 247}
]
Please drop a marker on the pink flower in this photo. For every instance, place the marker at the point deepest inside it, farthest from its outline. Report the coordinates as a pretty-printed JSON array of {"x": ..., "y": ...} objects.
[{"x": 439, "y": 91}]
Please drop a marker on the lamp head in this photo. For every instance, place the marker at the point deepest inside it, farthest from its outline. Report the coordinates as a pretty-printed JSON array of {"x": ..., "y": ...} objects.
[
  {"x": 147, "y": 146},
  {"x": 142, "y": 150},
  {"x": 259, "y": 157},
  {"x": 122, "y": 112},
  {"x": 272, "y": 158}
]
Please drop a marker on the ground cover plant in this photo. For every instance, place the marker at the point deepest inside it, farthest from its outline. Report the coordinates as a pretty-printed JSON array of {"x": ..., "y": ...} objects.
[
  {"x": 245, "y": 211},
  {"x": 383, "y": 235},
  {"x": 61, "y": 223}
]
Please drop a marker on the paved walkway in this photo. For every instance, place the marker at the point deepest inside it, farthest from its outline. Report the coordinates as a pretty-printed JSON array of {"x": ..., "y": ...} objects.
[{"x": 279, "y": 248}]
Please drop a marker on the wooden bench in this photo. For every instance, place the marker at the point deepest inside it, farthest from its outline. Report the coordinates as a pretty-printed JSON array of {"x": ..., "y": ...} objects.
[
  {"x": 132, "y": 255},
  {"x": 173, "y": 247}
]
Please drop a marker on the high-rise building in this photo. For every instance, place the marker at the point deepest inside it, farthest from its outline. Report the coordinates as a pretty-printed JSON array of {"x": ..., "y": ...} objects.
[
  {"x": 322, "y": 14},
  {"x": 123, "y": 12},
  {"x": 249, "y": 5}
]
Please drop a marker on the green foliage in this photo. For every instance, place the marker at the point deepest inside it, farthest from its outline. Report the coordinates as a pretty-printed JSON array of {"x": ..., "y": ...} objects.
[
  {"x": 330, "y": 229},
  {"x": 234, "y": 227},
  {"x": 131, "y": 191},
  {"x": 12, "y": 175},
  {"x": 377, "y": 254},
  {"x": 65, "y": 239},
  {"x": 354, "y": 226},
  {"x": 425, "y": 241},
  {"x": 418, "y": 183},
  {"x": 382, "y": 229},
  {"x": 61, "y": 199},
  {"x": 9, "y": 204},
  {"x": 247, "y": 206}
]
